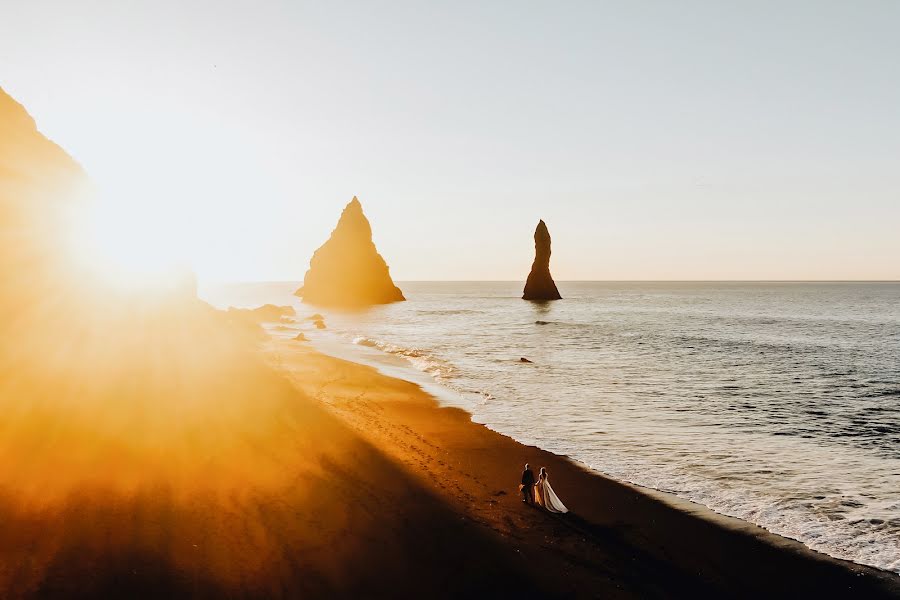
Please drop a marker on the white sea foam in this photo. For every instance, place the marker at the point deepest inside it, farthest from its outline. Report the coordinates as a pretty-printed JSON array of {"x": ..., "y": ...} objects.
[{"x": 420, "y": 359}]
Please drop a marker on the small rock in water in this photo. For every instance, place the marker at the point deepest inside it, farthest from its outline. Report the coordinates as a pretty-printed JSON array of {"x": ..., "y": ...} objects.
[
  {"x": 301, "y": 338},
  {"x": 524, "y": 360},
  {"x": 542, "y": 322},
  {"x": 320, "y": 324},
  {"x": 315, "y": 317}
]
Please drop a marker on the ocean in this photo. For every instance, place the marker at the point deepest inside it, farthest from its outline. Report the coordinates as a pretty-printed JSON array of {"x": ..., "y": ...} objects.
[{"x": 776, "y": 403}]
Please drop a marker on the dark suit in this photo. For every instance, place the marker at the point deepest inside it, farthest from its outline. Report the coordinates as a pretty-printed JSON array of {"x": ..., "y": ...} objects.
[{"x": 528, "y": 486}]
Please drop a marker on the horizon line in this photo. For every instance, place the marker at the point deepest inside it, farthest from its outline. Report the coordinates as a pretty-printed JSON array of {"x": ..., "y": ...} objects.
[{"x": 522, "y": 281}]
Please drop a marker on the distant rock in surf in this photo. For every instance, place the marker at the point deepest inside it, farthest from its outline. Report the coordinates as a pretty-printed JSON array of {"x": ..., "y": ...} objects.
[
  {"x": 317, "y": 320},
  {"x": 525, "y": 360},
  {"x": 347, "y": 269},
  {"x": 300, "y": 337},
  {"x": 540, "y": 284}
]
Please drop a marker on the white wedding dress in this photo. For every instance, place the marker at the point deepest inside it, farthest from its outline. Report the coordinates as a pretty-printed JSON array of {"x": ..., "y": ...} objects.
[{"x": 547, "y": 498}]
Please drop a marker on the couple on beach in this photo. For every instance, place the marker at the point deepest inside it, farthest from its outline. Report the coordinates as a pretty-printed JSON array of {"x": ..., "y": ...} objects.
[{"x": 539, "y": 492}]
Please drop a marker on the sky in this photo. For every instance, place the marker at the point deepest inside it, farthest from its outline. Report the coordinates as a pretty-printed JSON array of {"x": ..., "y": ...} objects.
[{"x": 658, "y": 140}]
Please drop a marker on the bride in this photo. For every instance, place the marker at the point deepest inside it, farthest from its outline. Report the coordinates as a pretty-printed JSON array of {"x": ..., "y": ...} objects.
[{"x": 545, "y": 496}]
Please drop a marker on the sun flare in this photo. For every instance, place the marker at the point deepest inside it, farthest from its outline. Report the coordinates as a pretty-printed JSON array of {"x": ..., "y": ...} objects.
[{"x": 132, "y": 247}]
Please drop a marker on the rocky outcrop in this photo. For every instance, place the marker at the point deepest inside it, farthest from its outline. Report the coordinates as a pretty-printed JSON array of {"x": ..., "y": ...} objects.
[
  {"x": 540, "y": 284},
  {"x": 41, "y": 188},
  {"x": 347, "y": 270},
  {"x": 26, "y": 156},
  {"x": 267, "y": 313}
]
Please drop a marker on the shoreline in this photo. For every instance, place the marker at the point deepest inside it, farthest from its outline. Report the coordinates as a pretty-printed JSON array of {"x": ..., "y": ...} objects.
[
  {"x": 702, "y": 551},
  {"x": 444, "y": 397}
]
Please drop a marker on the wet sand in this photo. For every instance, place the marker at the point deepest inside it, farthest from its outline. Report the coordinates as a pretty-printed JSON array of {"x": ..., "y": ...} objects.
[{"x": 169, "y": 460}]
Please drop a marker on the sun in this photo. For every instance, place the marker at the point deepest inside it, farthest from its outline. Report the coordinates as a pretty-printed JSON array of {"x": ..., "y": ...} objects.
[{"x": 131, "y": 246}]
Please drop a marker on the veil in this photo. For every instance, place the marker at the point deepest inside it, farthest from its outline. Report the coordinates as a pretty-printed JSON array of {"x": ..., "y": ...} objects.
[{"x": 551, "y": 500}]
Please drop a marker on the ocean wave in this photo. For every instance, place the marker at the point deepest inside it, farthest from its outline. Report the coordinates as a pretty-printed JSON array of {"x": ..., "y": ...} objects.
[
  {"x": 364, "y": 341},
  {"x": 418, "y": 358},
  {"x": 441, "y": 371},
  {"x": 886, "y": 393}
]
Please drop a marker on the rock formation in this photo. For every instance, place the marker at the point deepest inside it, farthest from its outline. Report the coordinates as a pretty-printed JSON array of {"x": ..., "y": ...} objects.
[
  {"x": 540, "y": 285},
  {"x": 41, "y": 188},
  {"x": 347, "y": 269},
  {"x": 267, "y": 313}
]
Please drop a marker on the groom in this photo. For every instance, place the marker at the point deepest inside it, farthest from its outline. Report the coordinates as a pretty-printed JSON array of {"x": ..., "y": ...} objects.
[{"x": 528, "y": 485}]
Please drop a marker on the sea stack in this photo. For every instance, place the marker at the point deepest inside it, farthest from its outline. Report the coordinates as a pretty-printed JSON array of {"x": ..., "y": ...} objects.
[
  {"x": 540, "y": 285},
  {"x": 347, "y": 271}
]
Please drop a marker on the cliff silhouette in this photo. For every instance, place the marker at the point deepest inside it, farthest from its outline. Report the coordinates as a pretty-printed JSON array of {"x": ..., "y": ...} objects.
[
  {"x": 540, "y": 284},
  {"x": 347, "y": 269},
  {"x": 41, "y": 188}
]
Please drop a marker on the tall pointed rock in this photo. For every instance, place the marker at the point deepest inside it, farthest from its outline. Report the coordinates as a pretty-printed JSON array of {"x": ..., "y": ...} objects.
[
  {"x": 540, "y": 284},
  {"x": 347, "y": 269}
]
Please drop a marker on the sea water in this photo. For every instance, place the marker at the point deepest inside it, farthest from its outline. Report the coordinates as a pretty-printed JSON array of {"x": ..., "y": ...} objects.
[{"x": 777, "y": 403}]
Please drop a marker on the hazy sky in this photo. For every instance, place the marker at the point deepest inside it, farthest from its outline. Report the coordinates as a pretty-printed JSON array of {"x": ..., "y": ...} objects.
[{"x": 658, "y": 140}]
